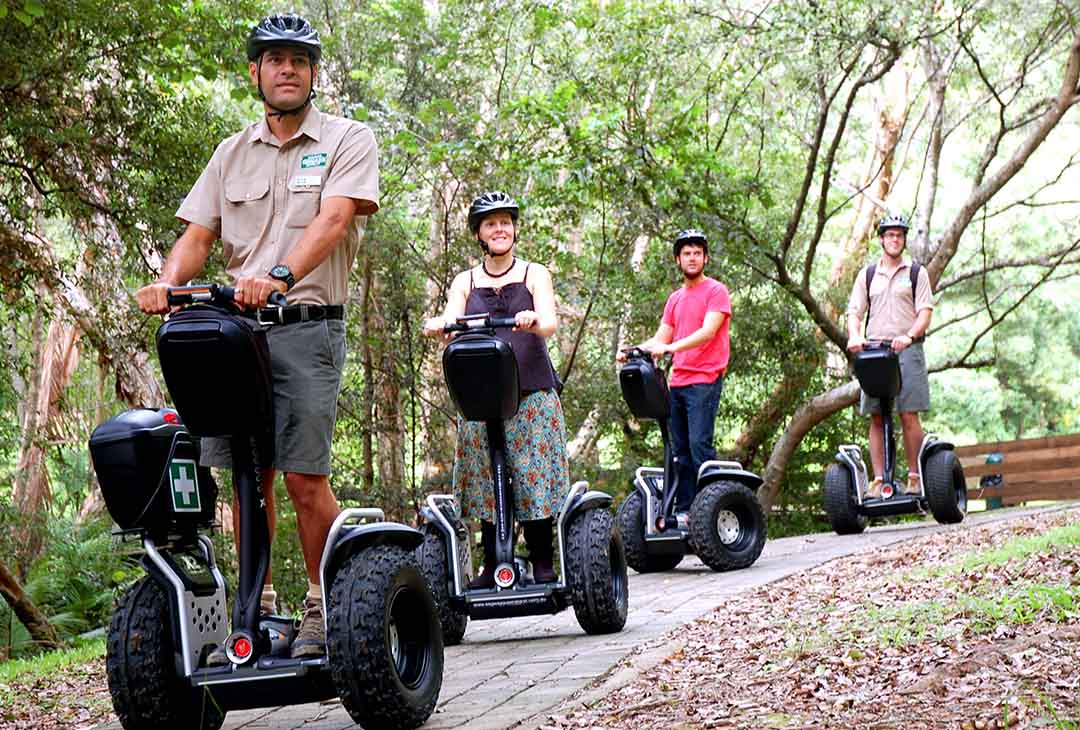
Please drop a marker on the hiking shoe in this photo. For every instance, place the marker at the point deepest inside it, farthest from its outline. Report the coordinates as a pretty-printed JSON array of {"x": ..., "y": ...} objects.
[
  {"x": 914, "y": 485},
  {"x": 311, "y": 638},
  {"x": 874, "y": 490},
  {"x": 216, "y": 658}
]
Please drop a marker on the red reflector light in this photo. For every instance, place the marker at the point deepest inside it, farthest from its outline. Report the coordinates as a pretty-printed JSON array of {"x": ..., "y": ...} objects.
[
  {"x": 506, "y": 575},
  {"x": 171, "y": 417},
  {"x": 242, "y": 648}
]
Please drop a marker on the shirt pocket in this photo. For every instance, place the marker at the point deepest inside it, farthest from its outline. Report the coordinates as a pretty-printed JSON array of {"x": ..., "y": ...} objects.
[
  {"x": 303, "y": 204},
  {"x": 247, "y": 209}
]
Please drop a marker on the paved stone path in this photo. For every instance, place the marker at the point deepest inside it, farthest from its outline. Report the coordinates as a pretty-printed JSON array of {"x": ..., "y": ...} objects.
[{"x": 513, "y": 672}]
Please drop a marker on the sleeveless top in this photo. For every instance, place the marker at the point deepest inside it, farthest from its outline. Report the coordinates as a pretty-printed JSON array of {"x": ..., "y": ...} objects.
[{"x": 535, "y": 371}]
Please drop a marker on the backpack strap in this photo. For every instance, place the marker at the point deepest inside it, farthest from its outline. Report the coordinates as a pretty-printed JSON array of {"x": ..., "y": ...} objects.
[
  {"x": 870, "y": 271},
  {"x": 914, "y": 279}
]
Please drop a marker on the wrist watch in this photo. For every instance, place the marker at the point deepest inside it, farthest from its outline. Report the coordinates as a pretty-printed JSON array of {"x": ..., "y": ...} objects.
[{"x": 281, "y": 272}]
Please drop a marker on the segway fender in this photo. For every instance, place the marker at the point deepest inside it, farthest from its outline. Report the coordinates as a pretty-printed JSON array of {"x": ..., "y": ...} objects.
[
  {"x": 715, "y": 474},
  {"x": 588, "y": 500},
  {"x": 931, "y": 446},
  {"x": 357, "y": 537}
]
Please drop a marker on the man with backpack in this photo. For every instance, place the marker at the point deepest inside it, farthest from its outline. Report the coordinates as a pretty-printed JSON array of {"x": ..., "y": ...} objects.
[{"x": 893, "y": 300}]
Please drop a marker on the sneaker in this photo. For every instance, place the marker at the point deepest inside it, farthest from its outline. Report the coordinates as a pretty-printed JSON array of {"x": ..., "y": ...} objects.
[
  {"x": 311, "y": 638},
  {"x": 914, "y": 484},
  {"x": 874, "y": 490}
]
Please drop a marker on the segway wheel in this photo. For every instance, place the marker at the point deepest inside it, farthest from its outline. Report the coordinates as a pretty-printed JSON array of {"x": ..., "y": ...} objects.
[
  {"x": 141, "y": 671},
  {"x": 946, "y": 490},
  {"x": 727, "y": 526},
  {"x": 432, "y": 555},
  {"x": 383, "y": 639},
  {"x": 631, "y": 522},
  {"x": 840, "y": 503},
  {"x": 596, "y": 572}
]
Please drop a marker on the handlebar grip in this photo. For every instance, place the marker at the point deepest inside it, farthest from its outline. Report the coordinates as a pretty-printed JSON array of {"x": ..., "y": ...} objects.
[
  {"x": 501, "y": 321},
  {"x": 277, "y": 299},
  {"x": 179, "y": 295}
]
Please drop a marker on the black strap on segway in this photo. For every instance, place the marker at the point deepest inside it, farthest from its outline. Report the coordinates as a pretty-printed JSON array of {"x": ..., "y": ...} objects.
[{"x": 872, "y": 269}]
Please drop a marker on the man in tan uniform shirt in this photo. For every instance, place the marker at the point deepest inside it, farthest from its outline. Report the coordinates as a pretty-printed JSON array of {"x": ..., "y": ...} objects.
[
  {"x": 899, "y": 313},
  {"x": 288, "y": 197}
]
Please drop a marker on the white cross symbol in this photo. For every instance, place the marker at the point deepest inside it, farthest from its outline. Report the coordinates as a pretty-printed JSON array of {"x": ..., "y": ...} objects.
[{"x": 184, "y": 487}]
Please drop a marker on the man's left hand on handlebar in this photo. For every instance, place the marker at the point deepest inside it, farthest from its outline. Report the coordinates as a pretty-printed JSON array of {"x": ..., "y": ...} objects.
[
  {"x": 153, "y": 298},
  {"x": 252, "y": 292}
]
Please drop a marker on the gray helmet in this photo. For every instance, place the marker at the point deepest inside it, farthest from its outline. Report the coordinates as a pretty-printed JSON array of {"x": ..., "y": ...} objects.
[
  {"x": 284, "y": 30},
  {"x": 489, "y": 203},
  {"x": 892, "y": 220},
  {"x": 689, "y": 236}
]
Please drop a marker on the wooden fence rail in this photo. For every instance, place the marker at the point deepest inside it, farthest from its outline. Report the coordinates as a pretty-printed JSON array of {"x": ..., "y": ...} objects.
[{"x": 1031, "y": 469}]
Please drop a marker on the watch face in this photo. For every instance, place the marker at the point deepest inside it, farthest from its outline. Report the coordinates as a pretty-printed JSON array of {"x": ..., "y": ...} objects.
[{"x": 280, "y": 271}]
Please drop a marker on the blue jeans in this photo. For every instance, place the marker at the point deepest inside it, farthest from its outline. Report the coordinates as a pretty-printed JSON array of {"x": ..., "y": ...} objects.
[{"x": 693, "y": 419}]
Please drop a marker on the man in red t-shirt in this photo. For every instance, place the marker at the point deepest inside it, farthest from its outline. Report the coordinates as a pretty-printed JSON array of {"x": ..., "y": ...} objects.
[{"x": 694, "y": 328}]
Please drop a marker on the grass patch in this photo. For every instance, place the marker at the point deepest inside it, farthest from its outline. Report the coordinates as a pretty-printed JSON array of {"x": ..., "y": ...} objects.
[
  {"x": 1022, "y": 605},
  {"x": 1015, "y": 549},
  {"x": 905, "y": 623},
  {"x": 48, "y": 664}
]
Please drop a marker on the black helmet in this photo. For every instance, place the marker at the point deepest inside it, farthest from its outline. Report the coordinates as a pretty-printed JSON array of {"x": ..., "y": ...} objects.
[
  {"x": 688, "y": 236},
  {"x": 488, "y": 203},
  {"x": 284, "y": 30},
  {"x": 892, "y": 220}
]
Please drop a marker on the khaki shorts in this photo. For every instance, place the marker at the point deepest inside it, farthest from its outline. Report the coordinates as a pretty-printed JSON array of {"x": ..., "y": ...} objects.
[
  {"x": 915, "y": 386},
  {"x": 306, "y": 359}
]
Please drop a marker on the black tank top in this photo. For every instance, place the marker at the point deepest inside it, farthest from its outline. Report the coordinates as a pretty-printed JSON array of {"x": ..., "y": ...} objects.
[{"x": 535, "y": 371}]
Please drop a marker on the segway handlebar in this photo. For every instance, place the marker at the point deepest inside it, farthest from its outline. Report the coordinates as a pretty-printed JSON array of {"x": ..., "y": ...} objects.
[
  {"x": 213, "y": 294},
  {"x": 479, "y": 322}
]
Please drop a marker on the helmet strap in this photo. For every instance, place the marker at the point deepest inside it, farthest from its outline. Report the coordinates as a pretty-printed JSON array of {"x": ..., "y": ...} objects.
[{"x": 277, "y": 111}]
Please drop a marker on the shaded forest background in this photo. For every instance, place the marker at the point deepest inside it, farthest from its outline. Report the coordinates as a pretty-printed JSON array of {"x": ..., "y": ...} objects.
[{"x": 784, "y": 130}]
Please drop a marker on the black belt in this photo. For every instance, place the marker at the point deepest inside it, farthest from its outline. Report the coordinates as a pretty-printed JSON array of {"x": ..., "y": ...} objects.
[{"x": 297, "y": 313}]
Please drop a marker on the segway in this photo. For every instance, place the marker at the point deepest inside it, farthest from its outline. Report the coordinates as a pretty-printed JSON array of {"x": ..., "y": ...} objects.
[
  {"x": 943, "y": 490},
  {"x": 482, "y": 375},
  {"x": 384, "y": 647},
  {"x": 727, "y": 526}
]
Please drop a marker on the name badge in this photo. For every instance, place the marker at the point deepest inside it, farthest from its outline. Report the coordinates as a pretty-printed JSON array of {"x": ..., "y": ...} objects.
[
  {"x": 317, "y": 159},
  {"x": 307, "y": 181}
]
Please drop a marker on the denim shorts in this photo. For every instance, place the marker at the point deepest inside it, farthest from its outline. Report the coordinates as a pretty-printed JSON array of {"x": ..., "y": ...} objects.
[
  {"x": 915, "y": 385},
  {"x": 307, "y": 359}
]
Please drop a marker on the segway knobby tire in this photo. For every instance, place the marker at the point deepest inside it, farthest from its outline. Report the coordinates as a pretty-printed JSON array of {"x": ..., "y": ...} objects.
[
  {"x": 383, "y": 640},
  {"x": 596, "y": 572},
  {"x": 840, "y": 503},
  {"x": 727, "y": 526},
  {"x": 433, "y": 555},
  {"x": 946, "y": 490},
  {"x": 631, "y": 521},
  {"x": 141, "y": 671}
]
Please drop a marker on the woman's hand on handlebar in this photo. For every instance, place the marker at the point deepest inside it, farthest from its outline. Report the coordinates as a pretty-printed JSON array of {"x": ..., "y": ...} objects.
[
  {"x": 252, "y": 292},
  {"x": 525, "y": 320},
  {"x": 434, "y": 327},
  {"x": 154, "y": 298}
]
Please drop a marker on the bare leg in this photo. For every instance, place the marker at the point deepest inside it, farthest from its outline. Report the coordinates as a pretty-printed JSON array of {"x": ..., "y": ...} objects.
[
  {"x": 913, "y": 438},
  {"x": 316, "y": 508},
  {"x": 877, "y": 444},
  {"x": 268, "y": 476}
]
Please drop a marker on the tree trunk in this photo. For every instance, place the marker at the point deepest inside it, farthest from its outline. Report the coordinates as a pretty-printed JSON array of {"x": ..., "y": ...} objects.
[
  {"x": 809, "y": 415},
  {"x": 41, "y": 631}
]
